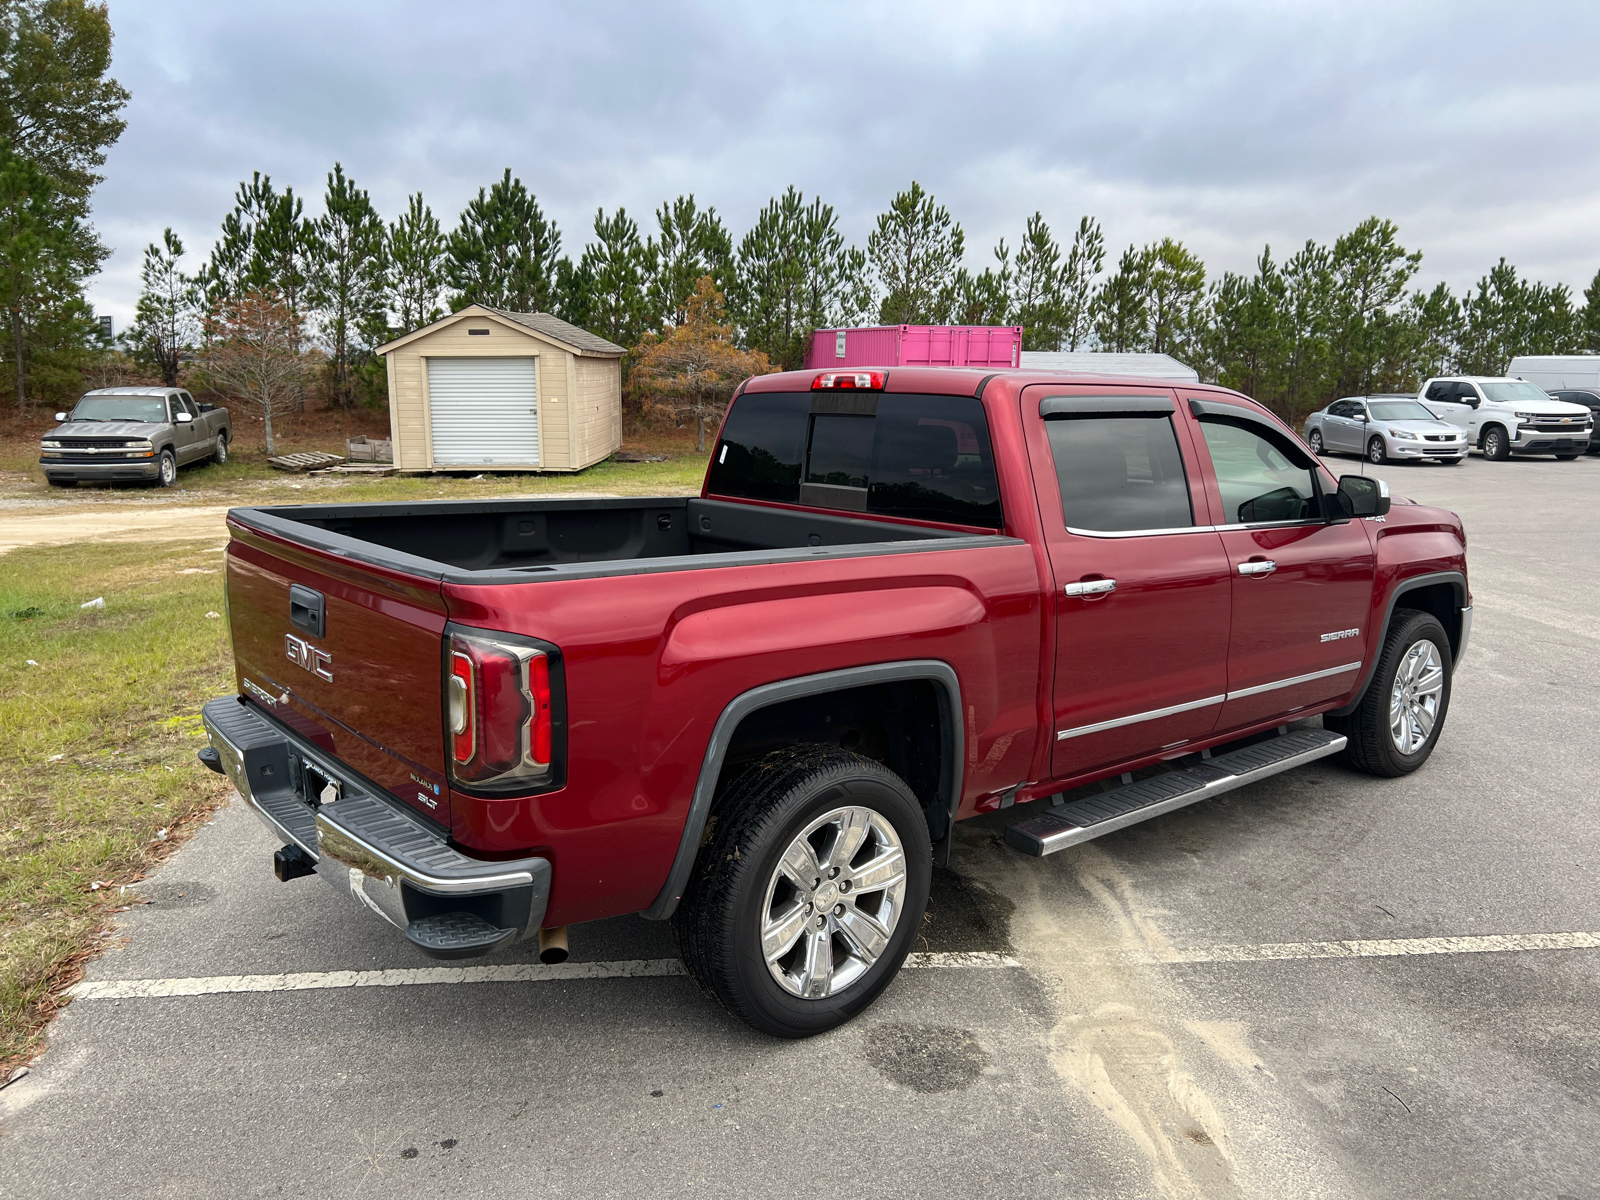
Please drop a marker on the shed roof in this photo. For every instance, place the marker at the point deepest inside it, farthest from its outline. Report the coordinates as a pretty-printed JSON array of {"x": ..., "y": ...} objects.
[
  {"x": 563, "y": 331},
  {"x": 545, "y": 324}
]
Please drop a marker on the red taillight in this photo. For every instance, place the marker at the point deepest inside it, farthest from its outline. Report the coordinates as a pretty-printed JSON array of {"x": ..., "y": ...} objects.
[
  {"x": 463, "y": 724},
  {"x": 855, "y": 381},
  {"x": 498, "y": 711}
]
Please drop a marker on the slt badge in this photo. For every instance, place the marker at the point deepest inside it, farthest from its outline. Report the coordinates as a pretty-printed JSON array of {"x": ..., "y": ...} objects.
[{"x": 303, "y": 654}]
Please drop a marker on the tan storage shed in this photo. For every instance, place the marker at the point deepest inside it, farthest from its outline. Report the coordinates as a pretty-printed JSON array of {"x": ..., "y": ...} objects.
[{"x": 484, "y": 389}]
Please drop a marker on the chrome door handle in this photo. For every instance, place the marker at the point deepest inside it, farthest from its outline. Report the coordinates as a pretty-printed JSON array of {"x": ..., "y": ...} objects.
[
  {"x": 1090, "y": 587},
  {"x": 1258, "y": 568}
]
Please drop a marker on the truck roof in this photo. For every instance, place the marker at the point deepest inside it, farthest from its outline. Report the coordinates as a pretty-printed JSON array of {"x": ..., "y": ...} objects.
[
  {"x": 147, "y": 390},
  {"x": 957, "y": 381}
]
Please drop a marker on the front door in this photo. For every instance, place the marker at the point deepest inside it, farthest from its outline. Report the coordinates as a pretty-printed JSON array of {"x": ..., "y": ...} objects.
[
  {"x": 1142, "y": 590},
  {"x": 1455, "y": 402},
  {"x": 1302, "y": 585},
  {"x": 184, "y": 433}
]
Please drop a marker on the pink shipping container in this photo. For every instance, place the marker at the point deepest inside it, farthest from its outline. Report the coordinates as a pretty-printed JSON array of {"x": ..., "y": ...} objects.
[{"x": 916, "y": 346}]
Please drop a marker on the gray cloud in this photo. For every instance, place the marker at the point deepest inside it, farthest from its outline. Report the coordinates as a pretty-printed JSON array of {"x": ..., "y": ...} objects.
[{"x": 1229, "y": 125}]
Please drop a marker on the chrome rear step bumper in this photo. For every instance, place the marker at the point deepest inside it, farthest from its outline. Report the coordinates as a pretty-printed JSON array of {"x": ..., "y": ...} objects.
[
  {"x": 449, "y": 905},
  {"x": 1094, "y": 816}
]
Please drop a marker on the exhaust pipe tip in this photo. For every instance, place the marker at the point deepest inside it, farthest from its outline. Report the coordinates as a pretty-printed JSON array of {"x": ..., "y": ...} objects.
[{"x": 553, "y": 945}]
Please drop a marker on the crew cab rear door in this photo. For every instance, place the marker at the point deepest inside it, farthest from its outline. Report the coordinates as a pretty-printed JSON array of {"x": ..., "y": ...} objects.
[
  {"x": 1302, "y": 585},
  {"x": 1141, "y": 582}
]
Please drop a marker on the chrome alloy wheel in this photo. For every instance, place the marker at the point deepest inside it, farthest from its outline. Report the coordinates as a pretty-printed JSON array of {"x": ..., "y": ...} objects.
[
  {"x": 833, "y": 902},
  {"x": 169, "y": 470},
  {"x": 1414, "y": 702}
]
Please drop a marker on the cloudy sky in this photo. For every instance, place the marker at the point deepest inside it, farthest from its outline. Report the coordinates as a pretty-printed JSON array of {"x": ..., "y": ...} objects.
[{"x": 1228, "y": 124}]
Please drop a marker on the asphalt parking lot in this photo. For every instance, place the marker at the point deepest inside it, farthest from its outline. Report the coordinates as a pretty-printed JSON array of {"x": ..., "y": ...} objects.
[{"x": 1322, "y": 985}]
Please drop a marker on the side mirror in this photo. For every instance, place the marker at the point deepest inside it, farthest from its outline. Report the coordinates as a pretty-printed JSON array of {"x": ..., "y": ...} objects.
[
  {"x": 1361, "y": 496},
  {"x": 61, "y": 416},
  {"x": 1471, "y": 401},
  {"x": 183, "y": 418}
]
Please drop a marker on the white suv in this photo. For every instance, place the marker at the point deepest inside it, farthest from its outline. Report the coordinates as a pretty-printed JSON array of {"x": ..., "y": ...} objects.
[{"x": 1508, "y": 416}]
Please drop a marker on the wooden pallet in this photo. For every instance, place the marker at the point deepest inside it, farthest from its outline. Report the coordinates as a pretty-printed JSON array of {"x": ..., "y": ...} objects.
[{"x": 312, "y": 461}]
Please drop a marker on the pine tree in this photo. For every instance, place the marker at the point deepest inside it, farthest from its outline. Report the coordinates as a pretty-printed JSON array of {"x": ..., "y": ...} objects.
[
  {"x": 1036, "y": 288},
  {"x": 1122, "y": 304},
  {"x": 348, "y": 269},
  {"x": 1176, "y": 283},
  {"x": 1590, "y": 320},
  {"x": 985, "y": 298},
  {"x": 794, "y": 275},
  {"x": 691, "y": 244},
  {"x": 166, "y": 318},
  {"x": 58, "y": 108},
  {"x": 613, "y": 267},
  {"x": 504, "y": 252},
  {"x": 45, "y": 253},
  {"x": 915, "y": 251},
  {"x": 1085, "y": 261},
  {"x": 415, "y": 253}
]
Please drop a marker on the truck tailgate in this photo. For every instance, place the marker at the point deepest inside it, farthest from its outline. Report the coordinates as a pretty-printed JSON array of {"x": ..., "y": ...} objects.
[{"x": 363, "y": 680}]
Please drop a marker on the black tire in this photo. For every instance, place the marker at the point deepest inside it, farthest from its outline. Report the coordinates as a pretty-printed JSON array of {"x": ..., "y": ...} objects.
[
  {"x": 1377, "y": 451},
  {"x": 219, "y": 452},
  {"x": 718, "y": 923},
  {"x": 1314, "y": 440},
  {"x": 61, "y": 482},
  {"x": 168, "y": 468},
  {"x": 1496, "y": 444},
  {"x": 1372, "y": 747},
  {"x": 1565, "y": 457}
]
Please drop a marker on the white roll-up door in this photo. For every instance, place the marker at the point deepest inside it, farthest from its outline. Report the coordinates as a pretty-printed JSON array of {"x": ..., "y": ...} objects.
[{"x": 484, "y": 411}]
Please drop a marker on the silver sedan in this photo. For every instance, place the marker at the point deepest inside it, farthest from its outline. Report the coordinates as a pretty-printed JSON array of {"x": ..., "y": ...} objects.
[{"x": 1384, "y": 429}]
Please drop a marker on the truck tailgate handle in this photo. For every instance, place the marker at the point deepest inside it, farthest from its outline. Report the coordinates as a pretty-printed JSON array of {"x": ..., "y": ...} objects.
[
  {"x": 307, "y": 610},
  {"x": 1090, "y": 587},
  {"x": 1264, "y": 566}
]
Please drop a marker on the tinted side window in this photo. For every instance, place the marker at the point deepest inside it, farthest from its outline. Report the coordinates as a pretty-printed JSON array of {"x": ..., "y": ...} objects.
[
  {"x": 1258, "y": 480},
  {"x": 922, "y": 457},
  {"x": 1119, "y": 473},
  {"x": 1340, "y": 408},
  {"x": 762, "y": 447},
  {"x": 932, "y": 461},
  {"x": 1440, "y": 390}
]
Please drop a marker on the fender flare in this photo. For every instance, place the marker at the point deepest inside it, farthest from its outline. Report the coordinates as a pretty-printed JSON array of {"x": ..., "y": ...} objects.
[
  {"x": 1458, "y": 582},
  {"x": 940, "y": 673}
]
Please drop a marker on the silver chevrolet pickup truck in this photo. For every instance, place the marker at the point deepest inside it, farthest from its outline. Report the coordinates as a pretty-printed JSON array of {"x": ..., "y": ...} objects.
[{"x": 126, "y": 434}]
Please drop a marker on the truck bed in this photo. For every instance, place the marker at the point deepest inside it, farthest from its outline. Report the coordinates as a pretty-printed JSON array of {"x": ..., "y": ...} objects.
[{"x": 506, "y": 541}]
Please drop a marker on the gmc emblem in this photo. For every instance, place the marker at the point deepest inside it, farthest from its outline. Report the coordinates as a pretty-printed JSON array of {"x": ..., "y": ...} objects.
[{"x": 302, "y": 654}]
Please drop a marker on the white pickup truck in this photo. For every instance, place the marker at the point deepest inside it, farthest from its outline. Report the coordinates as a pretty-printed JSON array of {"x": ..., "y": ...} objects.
[{"x": 1508, "y": 416}]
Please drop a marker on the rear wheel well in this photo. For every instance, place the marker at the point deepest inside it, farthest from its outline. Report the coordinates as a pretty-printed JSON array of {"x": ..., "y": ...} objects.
[{"x": 903, "y": 724}]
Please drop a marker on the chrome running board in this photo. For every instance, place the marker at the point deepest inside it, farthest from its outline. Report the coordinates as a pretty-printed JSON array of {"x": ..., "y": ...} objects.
[{"x": 1089, "y": 818}]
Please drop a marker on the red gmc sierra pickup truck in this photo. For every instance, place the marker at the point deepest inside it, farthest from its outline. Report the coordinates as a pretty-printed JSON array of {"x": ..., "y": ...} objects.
[{"x": 902, "y": 598}]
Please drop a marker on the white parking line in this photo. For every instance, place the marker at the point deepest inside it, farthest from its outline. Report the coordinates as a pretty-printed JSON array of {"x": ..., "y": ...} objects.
[
  {"x": 1494, "y": 943},
  {"x": 310, "y": 981},
  {"x": 652, "y": 968}
]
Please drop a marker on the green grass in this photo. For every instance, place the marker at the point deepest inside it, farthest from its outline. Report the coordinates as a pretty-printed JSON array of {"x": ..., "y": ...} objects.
[
  {"x": 247, "y": 479},
  {"x": 98, "y": 779}
]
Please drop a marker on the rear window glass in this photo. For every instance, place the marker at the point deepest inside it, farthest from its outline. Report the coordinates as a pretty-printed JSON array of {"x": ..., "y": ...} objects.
[
  {"x": 762, "y": 445},
  {"x": 920, "y": 457},
  {"x": 932, "y": 461}
]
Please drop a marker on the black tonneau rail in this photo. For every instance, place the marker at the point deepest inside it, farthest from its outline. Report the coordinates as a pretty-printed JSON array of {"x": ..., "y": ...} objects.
[{"x": 520, "y": 541}]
